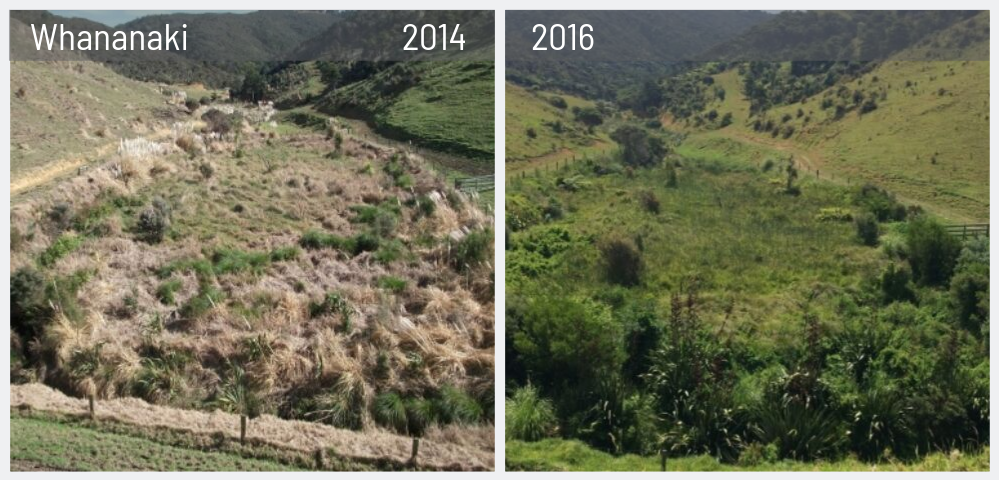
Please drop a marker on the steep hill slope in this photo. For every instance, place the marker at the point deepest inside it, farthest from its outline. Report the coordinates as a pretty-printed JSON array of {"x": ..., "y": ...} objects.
[
  {"x": 67, "y": 110},
  {"x": 919, "y": 128},
  {"x": 540, "y": 123}
]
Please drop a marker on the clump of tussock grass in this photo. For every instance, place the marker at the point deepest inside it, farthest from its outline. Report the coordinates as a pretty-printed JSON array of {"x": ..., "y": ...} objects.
[
  {"x": 392, "y": 284},
  {"x": 471, "y": 250},
  {"x": 360, "y": 243},
  {"x": 166, "y": 292},
  {"x": 528, "y": 416}
]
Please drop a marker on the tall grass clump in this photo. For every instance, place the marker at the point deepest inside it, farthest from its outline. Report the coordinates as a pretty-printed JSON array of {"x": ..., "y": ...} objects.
[{"x": 528, "y": 416}]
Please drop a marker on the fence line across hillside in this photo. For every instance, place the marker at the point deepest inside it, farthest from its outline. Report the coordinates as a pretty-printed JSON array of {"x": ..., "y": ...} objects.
[
  {"x": 482, "y": 183},
  {"x": 972, "y": 230}
]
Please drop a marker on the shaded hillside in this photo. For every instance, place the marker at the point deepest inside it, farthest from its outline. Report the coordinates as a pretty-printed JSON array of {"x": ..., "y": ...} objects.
[
  {"x": 225, "y": 37},
  {"x": 218, "y": 44},
  {"x": 841, "y": 35},
  {"x": 378, "y": 35},
  {"x": 664, "y": 36}
]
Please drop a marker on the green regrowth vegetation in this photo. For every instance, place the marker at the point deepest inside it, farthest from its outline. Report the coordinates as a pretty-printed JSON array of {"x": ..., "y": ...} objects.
[{"x": 741, "y": 327}]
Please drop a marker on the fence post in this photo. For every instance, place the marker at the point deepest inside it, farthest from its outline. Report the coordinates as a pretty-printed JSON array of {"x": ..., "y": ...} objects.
[{"x": 662, "y": 459}]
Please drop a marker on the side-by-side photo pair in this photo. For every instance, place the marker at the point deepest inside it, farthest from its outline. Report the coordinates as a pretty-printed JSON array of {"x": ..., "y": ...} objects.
[{"x": 290, "y": 240}]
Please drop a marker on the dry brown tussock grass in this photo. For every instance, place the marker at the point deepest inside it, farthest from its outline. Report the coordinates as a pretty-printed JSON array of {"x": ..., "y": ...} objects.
[{"x": 441, "y": 316}]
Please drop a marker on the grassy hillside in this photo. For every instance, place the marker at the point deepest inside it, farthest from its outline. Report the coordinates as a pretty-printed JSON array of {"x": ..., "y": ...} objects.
[
  {"x": 78, "y": 110},
  {"x": 446, "y": 106},
  {"x": 575, "y": 456},
  {"x": 536, "y": 127},
  {"x": 925, "y": 139},
  {"x": 723, "y": 305}
]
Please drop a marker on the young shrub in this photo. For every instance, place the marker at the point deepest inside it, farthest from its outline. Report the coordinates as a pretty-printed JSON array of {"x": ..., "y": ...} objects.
[
  {"x": 528, "y": 416},
  {"x": 932, "y": 251},
  {"x": 153, "y": 225},
  {"x": 220, "y": 122},
  {"x": 165, "y": 293},
  {"x": 333, "y": 304},
  {"x": 206, "y": 169},
  {"x": 896, "y": 284},
  {"x": 472, "y": 250},
  {"x": 567, "y": 341},
  {"x": 649, "y": 201},
  {"x": 62, "y": 246},
  {"x": 29, "y": 307},
  {"x": 188, "y": 145},
  {"x": 622, "y": 261},
  {"x": 868, "y": 229}
]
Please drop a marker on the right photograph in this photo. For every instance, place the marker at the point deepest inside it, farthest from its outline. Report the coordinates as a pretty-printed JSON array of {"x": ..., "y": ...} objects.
[{"x": 747, "y": 241}]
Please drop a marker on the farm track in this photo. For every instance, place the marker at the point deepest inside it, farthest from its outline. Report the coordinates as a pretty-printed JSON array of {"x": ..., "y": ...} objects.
[
  {"x": 813, "y": 162},
  {"x": 375, "y": 446},
  {"x": 62, "y": 168}
]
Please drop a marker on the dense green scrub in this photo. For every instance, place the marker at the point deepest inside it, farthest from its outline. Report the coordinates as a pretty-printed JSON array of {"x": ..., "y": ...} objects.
[{"x": 721, "y": 304}]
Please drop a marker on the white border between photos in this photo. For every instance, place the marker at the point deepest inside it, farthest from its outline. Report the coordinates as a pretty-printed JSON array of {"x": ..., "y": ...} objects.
[{"x": 500, "y": 7}]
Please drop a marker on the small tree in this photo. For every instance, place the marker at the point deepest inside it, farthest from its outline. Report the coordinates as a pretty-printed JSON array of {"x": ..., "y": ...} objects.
[
  {"x": 622, "y": 261},
  {"x": 867, "y": 229},
  {"x": 792, "y": 174},
  {"x": 153, "y": 224},
  {"x": 639, "y": 149},
  {"x": 932, "y": 251},
  {"x": 672, "y": 180},
  {"x": 239, "y": 394}
]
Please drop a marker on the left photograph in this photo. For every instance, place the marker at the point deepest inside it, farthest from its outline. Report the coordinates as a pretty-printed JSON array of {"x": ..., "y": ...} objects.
[{"x": 247, "y": 241}]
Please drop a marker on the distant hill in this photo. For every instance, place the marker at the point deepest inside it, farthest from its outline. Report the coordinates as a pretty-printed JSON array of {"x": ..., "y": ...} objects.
[
  {"x": 667, "y": 35},
  {"x": 838, "y": 35},
  {"x": 257, "y": 36},
  {"x": 217, "y": 43},
  {"x": 377, "y": 35}
]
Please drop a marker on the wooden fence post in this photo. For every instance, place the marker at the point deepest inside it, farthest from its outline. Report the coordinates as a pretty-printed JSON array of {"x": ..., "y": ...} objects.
[
  {"x": 320, "y": 458},
  {"x": 416, "y": 450},
  {"x": 662, "y": 459}
]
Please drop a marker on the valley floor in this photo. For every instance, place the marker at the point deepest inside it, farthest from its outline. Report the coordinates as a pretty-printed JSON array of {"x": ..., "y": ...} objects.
[{"x": 573, "y": 455}]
